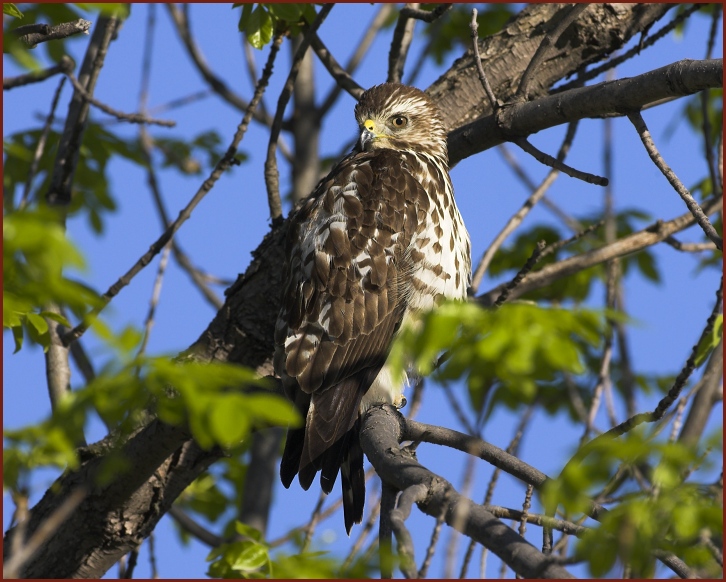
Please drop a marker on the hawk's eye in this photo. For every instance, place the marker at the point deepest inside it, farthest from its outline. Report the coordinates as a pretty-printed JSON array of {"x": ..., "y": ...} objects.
[{"x": 399, "y": 121}]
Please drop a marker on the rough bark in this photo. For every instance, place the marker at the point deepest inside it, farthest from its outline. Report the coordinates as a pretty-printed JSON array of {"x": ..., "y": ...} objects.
[
  {"x": 116, "y": 517},
  {"x": 600, "y": 30}
]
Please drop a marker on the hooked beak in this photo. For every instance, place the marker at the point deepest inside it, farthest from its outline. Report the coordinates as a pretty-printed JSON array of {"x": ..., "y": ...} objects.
[{"x": 367, "y": 135}]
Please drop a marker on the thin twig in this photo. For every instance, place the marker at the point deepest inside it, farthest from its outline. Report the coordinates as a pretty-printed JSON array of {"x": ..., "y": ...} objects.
[
  {"x": 342, "y": 78},
  {"x": 637, "y": 120},
  {"x": 365, "y": 530},
  {"x": 511, "y": 449},
  {"x": 34, "y": 34},
  {"x": 40, "y": 147},
  {"x": 632, "y": 243},
  {"x": 689, "y": 247},
  {"x": 425, "y": 15},
  {"x": 519, "y": 216},
  {"x": 548, "y": 41},
  {"x": 667, "y": 400},
  {"x": 521, "y": 274},
  {"x": 548, "y": 160},
  {"x": 474, "y": 26},
  {"x": 130, "y": 117},
  {"x": 222, "y": 165},
  {"x": 198, "y": 278},
  {"x": 313, "y": 522},
  {"x": 385, "y": 531},
  {"x": 423, "y": 571},
  {"x": 13, "y": 566},
  {"x": 412, "y": 495},
  {"x": 456, "y": 408},
  {"x": 192, "y": 527},
  {"x": 573, "y": 224},
  {"x": 272, "y": 175},
  {"x": 65, "y": 65},
  {"x": 402, "y": 37},
  {"x": 181, "y": 24},
  {"x": 371, "y": 31}
]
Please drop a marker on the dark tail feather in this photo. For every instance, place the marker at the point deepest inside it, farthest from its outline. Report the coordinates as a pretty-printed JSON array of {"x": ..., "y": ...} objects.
[
  {"x": 353, "y": 481},
  {"x": 291, "y": 455}
]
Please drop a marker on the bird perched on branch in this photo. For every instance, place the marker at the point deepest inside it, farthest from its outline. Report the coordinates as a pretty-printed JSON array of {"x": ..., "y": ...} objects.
[{"x": 379, "y": 239}]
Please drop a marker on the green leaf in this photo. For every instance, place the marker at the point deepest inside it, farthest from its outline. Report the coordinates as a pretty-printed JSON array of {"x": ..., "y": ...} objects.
[
  {"x": 18, "y": 337},
  {"x": 38, "y": 323},
  {"x": 55, "y": 317},
  {"x": 288, "y": 12},
  {"x": 259, "y": 27},
  {"x": 710, "y": 342},
  {"x": 12, "y": 10}
]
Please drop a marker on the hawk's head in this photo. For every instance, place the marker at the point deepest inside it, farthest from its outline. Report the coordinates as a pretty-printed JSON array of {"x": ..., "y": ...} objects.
[{"x": 399, "y": 117}]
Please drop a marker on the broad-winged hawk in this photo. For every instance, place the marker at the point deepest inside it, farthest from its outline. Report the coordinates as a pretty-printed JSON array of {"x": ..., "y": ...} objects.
[{"x": 379, "y": 238}]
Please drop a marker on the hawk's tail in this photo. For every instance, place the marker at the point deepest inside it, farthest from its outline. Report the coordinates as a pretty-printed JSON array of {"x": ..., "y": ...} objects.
[
  {"x": 346, "y": 454},
  {"x": 353, "y": 480}
]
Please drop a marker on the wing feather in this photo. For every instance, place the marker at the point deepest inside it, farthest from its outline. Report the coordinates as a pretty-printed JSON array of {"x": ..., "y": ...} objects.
[{"x": 348, "y": 277}]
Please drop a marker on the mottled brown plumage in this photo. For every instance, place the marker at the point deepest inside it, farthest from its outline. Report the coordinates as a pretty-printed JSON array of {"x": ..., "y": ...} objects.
[{"x": 379, "y": 238}]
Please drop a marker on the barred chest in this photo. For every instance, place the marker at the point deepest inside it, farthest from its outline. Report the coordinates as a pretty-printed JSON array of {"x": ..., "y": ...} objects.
[{"x": 440, "y": 250}]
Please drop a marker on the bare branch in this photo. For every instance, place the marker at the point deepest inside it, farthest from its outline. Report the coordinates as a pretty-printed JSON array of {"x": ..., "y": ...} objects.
[
  {"x": 702, "y": 220},
  {"x": 544, "y": 48},
  {"x": 221, "y": 166},
  {"x": 218, "y": 86},
  {"x": 518, "y": 120},
  {"x": 342, "y": 78},
  {"x": 519, "y": 216},
  {"x": 382, "y": 431},
  {"x": 689, "y": 247},
  {"x": 40, "y": 147},
  {"x": 413, "y": 494},
  {"x": 66, "y": 160},
  {"x": 474, "y": 26},
  {"x": 632, "y": 243},
  {"x": 272, "y": 176},
  {"x": 194, "y": 528},
  {"x": 584, "y": 76},
  {"x": 371, "y": 31},
  {"x": 65, "y": 65},
  {"x": 13, "y": 567},
  {"x": 548, "y": 160},
  {"x": 385, "y": 530},
  {"x": 402, "y": 37},
  {"x": 34, "y": 34},
  {"x": 432, "y": 544},
  {"x": 521, "y": 274},
  {"x": 130, "y": 117},
  {"x": 667, "y": 400},
  {"x": 409, "y": 11}
]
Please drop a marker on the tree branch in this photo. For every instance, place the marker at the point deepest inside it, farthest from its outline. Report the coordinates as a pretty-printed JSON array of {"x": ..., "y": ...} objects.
[
  {"x": 611, "y": 98},
  {"x": 221, "y": 166},
  {"x": 65, "y": 65},
  {"x": 402, "y": 37},
  {"x": 637, "y": 241},
  {"x": 380, "y": 434},
  {"x": 34, "y": 34},
  {"x": 637, "y": 120},
  {"x": 272, "y": 175}
]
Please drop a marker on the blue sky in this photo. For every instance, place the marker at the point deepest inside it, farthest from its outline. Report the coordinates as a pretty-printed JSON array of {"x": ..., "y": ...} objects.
[{"x": 233, "y": 218}]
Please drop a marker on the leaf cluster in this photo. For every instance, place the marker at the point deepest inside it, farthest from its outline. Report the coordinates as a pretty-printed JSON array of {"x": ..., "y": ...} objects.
[
  {"x": 259, "y": 22},
  {"x": 513, "y": 349},
  {"x": 670, "y": 516}
]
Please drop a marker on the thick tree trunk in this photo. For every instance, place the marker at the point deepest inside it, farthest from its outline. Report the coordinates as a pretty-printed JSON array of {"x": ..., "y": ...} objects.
[{"x": 113, "y": 519}]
